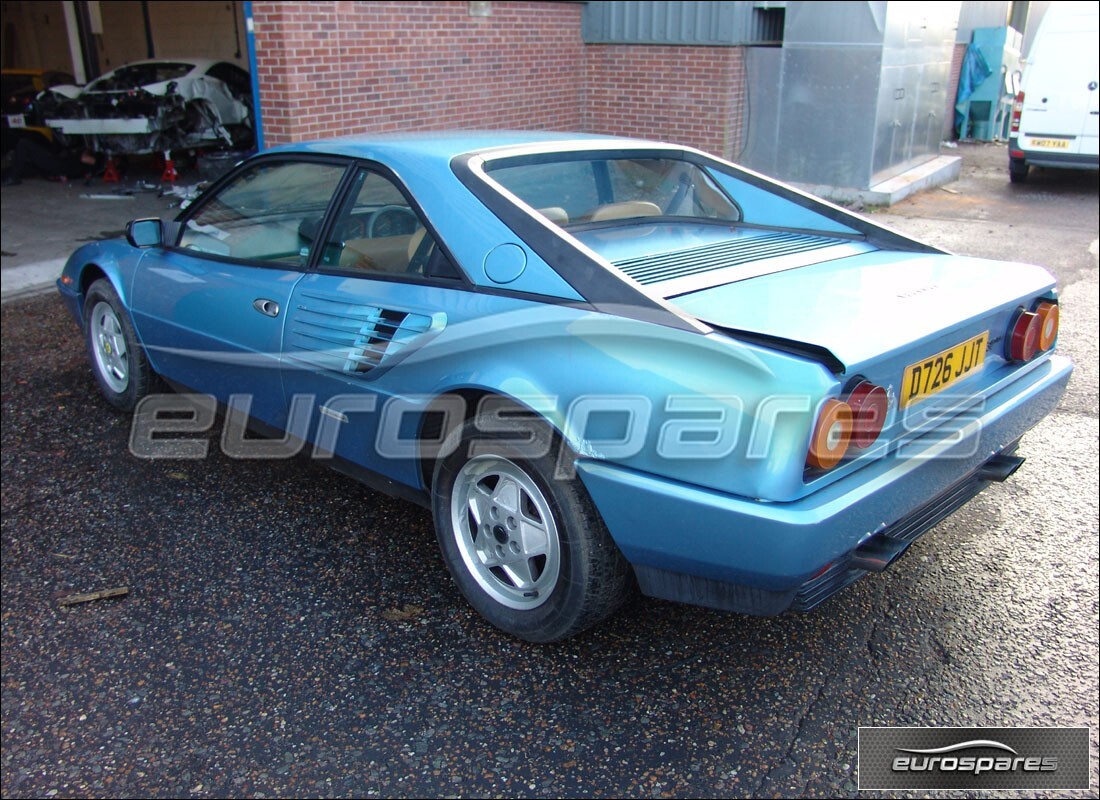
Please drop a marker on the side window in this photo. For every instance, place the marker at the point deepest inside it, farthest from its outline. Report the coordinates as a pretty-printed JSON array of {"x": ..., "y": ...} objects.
[
  {"x": 378, "y": 231},
  {"x": 270, "y": 212},
  {"x": 233, "y": 76}
]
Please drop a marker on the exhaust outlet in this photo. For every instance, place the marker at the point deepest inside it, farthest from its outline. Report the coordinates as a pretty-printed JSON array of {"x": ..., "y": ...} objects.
[
  {"x": 877, "y": 553},
  {"x": 999, "y": 468}
]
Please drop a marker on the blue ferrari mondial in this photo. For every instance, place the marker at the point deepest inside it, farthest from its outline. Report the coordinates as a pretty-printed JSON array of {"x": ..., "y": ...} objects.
[{"x": 599, "y": 361}]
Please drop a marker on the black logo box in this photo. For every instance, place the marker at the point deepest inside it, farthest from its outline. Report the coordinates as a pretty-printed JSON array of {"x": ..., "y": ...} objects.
[{"x": 973, "y": 758}]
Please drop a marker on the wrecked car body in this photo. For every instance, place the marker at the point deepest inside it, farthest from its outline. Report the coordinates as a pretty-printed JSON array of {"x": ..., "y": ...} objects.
[{"x": 154, "y": 106}]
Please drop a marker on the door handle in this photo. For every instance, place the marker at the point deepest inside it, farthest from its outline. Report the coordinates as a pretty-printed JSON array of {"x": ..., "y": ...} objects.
[{"x": 269, "y": 308}]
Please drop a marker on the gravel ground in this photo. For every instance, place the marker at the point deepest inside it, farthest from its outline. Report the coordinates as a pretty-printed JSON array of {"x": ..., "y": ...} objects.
[{"x": 290, "y": 633}]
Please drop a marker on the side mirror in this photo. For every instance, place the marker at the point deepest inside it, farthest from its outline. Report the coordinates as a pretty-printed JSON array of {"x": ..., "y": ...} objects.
[{"x": 145, "y": 233}]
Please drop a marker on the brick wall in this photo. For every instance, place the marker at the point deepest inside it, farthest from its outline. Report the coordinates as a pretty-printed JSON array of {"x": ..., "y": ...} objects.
[
  {"x": 952, "y": 90},
  {"x": 334, "y": 68},
  {"x": 688, "y": 95}
]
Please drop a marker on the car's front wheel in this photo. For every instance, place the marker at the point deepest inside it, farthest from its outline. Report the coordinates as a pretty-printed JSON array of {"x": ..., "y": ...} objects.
[
  {"x": 523, "y": 541},
  {"x": 118, "y": 361}
]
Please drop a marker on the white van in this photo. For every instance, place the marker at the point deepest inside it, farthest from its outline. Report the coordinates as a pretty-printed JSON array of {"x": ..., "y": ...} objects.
[{"x": 1055, "y": 116}]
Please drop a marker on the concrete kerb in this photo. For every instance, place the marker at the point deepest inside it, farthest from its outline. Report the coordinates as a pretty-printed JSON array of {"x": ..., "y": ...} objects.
[
  {"x": 934, "y": 172},
  {"x": 30, "y": 279}
]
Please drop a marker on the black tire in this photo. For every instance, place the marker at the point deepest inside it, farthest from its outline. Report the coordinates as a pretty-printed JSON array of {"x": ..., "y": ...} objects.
[
  {"x": 543, "y": 528},
  {"x": 1017, "y": 170},
  {"x": 242, "y": 136},
  {"x": 118, "y": 360}
]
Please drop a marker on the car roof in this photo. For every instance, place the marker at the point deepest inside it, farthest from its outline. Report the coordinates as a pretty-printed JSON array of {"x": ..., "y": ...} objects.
[
  {"x": 200, "y": 64},
  {"x": 448, "y": 144}
]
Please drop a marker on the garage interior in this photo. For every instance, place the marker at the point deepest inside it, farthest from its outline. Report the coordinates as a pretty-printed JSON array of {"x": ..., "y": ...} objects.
[
  {"x": 90, "y": 38},
  {"x": 737, "y": 79}
]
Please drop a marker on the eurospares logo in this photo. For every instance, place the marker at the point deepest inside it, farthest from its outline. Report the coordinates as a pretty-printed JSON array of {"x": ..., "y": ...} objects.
[
  {"x": 949, "y": 759},
  {"x": 974, "y": 758}
]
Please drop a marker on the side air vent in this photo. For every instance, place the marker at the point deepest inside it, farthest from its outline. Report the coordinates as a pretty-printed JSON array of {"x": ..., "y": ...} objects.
[
  {"x": 745, "y": 249},
  {"x": 355, "y": 340},
  {"x": 376, "y": 337}
]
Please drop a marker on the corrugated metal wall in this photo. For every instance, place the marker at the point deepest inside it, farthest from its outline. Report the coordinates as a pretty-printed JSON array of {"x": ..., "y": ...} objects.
[
  {"x": 1022, "y": 15},
  {"x": 983, "y": 14},
  {"x": 691, "y": 22},
  {"x": 857, "y": 94},
  {"x": 916, "y": 71}
]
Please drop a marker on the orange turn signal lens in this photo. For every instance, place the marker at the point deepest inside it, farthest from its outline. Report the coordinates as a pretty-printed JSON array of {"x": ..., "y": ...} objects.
[
  {"x": 1048, "y": 324},
  {"x": 831, "y": 435}
]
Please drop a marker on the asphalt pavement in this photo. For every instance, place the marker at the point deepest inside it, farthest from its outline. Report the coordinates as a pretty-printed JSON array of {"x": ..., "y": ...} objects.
[
  {"x": 287, "y": 632},
  {"x": 44, "y": 221}
]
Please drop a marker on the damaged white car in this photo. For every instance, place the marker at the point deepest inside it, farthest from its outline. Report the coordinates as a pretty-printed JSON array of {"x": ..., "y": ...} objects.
[{"x": 153, "y": 106}]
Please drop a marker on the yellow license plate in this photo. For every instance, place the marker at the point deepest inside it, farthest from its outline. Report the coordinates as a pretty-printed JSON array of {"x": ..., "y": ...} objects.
[
  {"x": 1060, "y": 144},
  {"x": 936, "y": 373}
]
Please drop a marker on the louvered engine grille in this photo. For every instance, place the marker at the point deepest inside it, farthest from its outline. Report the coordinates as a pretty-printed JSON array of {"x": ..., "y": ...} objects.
[{"x": 720, "y": 255}]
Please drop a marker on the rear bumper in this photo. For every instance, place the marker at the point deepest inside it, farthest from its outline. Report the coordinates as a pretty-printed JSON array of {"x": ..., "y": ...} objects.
[
  {"x": 112, "y": 126},
  {"x": 879, "y": 551},
  {"x": 1053, "y": 158},
  {"x": 705, "y": 547}
]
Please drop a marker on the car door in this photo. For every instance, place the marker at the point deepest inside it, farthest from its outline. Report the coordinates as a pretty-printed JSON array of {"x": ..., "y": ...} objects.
[
  {"x": 383, "y": 289},
  {"x": 210, "y": 306}
]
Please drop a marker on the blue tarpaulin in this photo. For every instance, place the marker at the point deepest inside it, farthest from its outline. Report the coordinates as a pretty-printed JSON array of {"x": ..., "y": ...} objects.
[{"x": 975, "y": 69}]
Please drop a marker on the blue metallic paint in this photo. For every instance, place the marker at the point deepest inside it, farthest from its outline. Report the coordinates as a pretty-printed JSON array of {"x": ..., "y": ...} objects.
[
  {"x": 749, "y": 518},
  {"x": 891, "y": 302},
  {"x": 197, "y": 322},
  {"x": 684, "y": 528}
]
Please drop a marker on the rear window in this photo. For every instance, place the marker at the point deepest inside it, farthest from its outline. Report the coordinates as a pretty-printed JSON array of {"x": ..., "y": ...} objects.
[{"x": 576, "y": 191}]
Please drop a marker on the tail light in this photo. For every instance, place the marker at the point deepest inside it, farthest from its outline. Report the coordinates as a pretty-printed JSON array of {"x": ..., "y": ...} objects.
[
  {"x": 869, "y": 404},
  {"x": 1017, "y": 110},
  {"x": 1032, "y": 332},
  {"x": 1048, "y": 324},
  {"x": 855, "y": 421},
  {"x": 1023, "y": 336},
  {"x": 831, "y": 435}
]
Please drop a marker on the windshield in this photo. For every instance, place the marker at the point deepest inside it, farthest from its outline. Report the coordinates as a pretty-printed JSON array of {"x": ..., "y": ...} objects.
[
  {"x": 133, "y": 76},
  {"x": 601, "y": 190}
]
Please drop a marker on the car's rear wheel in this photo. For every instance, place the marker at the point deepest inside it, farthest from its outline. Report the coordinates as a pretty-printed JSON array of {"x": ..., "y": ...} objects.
[
  {"x": 118, "y": 361},
  {"x": 525, "y": 546},
  {"x": 1017, "y": 170}
]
